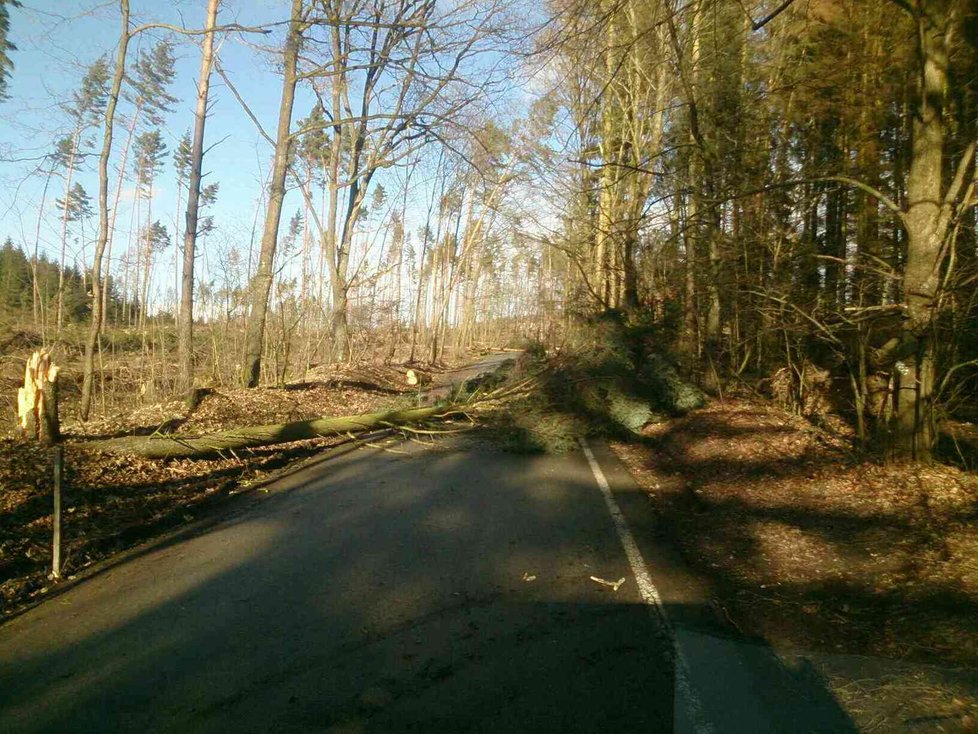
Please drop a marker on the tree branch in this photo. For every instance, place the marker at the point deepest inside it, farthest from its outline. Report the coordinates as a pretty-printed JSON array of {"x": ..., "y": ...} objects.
[{"x": 201, "y": 31}]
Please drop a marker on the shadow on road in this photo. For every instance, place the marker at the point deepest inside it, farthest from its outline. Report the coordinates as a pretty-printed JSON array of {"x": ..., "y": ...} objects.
[{"x": 438, "y": 591}]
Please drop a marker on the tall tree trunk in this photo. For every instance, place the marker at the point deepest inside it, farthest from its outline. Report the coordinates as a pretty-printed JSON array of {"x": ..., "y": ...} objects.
[
  {"x": 35, "y": 286},
  {"x": 115, "y": 211},
  {"x": 176, "y": 251},
  {"x": 66, "y": 206},
  {"x": 610, "y": 173},
  {"x": 339, "y": 323},
  {"x": 691, "y": 230},
  {"x": 869, "y": 291},
  {"x": 185, "y": 330},
  {"x": 88, "y": 365},
  {"x": 926, "y": 222},
  {"x": 147, "y": 260},
  {"x": 261, "y": 283}
]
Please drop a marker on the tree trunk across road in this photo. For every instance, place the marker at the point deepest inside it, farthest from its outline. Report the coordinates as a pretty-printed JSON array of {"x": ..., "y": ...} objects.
[{"x": 176, "y": 446}]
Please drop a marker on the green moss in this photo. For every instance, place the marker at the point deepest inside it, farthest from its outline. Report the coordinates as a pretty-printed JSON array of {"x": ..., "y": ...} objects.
[{"x": 667, "y": 389}]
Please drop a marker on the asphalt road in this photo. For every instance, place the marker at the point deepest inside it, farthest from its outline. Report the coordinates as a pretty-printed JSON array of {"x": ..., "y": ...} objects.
[
  {"x": 377, "y": 592},
  {"x": 429, "y": 588}
]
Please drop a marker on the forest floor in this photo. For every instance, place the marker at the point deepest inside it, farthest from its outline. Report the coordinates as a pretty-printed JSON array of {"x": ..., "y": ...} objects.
[
  {"x": 815, "y": 549},
  {"x": 111, "y": 503}
]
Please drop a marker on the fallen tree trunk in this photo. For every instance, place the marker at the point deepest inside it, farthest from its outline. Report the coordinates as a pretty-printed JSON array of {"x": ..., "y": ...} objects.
[{"x": 182, "y": 447}]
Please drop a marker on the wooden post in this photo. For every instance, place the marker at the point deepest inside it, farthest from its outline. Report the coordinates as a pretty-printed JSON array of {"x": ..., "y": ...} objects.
[{"x": 56, "y": 517}]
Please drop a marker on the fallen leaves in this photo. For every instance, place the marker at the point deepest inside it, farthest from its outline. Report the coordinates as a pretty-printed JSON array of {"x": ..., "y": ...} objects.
[
  {"x": 811, "y": 547},
  {"x": 113, "y": 502},
  {"x": 759, "y": 499}
]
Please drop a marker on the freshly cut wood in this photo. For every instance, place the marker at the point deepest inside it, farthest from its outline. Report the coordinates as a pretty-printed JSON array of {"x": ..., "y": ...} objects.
[
  {"x": 37, "y": 400},
  {"x": 175, "y": 446}
]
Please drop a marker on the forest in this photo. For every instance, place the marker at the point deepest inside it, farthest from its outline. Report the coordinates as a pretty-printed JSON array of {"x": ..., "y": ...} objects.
[
  {"x": 733, "y": 241},
  {"x": 784, "y": 191}
]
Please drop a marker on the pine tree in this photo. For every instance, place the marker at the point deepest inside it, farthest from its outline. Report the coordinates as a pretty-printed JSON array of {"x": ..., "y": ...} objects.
[
  {"x": 182, "y": 161},
  {"x": 148, "y": 92},
  {"x": 149, "y": 155},
  {"x": 15, "y": 278},
  {"x": 6, "y": 65},
  {"x": 86, "y": 106}
]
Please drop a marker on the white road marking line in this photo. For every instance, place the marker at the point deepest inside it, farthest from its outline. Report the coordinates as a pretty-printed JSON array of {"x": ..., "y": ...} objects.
[{"x": 651, "y": 596}]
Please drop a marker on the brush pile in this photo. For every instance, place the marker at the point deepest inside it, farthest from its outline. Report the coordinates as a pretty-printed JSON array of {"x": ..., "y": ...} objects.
[{"x": 609, "y": 382}]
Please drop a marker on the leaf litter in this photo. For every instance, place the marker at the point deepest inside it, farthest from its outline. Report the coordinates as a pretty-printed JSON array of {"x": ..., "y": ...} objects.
[
  {"x": 111, "y": 503},
  {"x": 814, "y": 548}
]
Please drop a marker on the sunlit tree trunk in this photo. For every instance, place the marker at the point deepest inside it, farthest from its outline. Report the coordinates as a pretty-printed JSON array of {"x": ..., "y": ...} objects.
[
  {"x": 185, "y": 330},
  {"x": 926, "y": 219},
  {"x": 65, "y": 209},
  {"x": 261, "y": 284},
  {"x": 124, "y": 156},
  {"x": 91, "y": 345}
]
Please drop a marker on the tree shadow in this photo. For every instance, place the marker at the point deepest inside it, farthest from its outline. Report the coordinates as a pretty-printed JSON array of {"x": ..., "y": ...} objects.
[
  {"x": 340, "y": 383},
  {"x": 117, "y": 516},
  {"x": 391, "y": 593},
  {"x": 807, "y": 572},
  {"x": 168, "y": 426}
]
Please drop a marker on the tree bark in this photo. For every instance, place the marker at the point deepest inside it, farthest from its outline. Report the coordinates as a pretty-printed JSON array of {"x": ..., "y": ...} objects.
[
  {"x": 169, "y": 447},
  {"x": 926, "y": 220},
  {"x": 261, "y": 283},
  {"x": 185, "y": 331},
  {"x": 88, "y": 365}
]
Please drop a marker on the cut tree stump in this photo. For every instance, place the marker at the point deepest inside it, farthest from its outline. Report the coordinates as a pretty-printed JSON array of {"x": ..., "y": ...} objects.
[
  {"x": 172, "y": 446},
  {"x": 37, "y": 400}
]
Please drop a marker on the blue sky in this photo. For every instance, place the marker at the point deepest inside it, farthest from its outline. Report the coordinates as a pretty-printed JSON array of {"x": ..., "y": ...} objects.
[{"x": 58, "y": 39}]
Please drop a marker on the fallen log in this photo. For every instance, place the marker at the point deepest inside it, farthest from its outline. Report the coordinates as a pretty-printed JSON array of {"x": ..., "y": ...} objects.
[{"x": 174, "y": 446}]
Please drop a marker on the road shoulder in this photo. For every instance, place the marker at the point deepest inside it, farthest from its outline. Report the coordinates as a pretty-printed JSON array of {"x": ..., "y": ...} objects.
[{"x": 742, "y": 683}]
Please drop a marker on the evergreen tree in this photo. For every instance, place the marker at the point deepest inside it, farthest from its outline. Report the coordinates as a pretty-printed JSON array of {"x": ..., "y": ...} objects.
[
  {"x": 6, "y": 65},
  {"x": 208, "y": 197},
  {"x": 150, "y": 150},
  {"x": 152, "y": 76},
  {"x": 15, "y": 278},
  {"x": 86, "y": 106},
  {"x": 78, "y": 204},
  {"x": 182, "y": 159}
]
